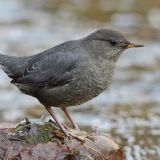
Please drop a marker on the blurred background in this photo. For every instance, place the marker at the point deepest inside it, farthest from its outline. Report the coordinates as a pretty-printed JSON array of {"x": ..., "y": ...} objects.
[{"x": 130, "y": 109}]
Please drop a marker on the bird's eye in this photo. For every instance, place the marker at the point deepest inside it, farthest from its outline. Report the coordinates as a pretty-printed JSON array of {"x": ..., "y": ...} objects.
[{"x": 113, "y": 42}]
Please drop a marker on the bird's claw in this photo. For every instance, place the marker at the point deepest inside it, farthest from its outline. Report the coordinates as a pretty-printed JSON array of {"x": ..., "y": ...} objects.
[{"x": 71, "y": 135}]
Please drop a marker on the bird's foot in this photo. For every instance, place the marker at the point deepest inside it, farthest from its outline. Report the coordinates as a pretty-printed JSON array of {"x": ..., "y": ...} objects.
[
  {"x": 62, "y": 131},
  {"x": 69, "y": 133},
  {"x": 77, "y": 134},
  {"x": 43, "y": 116},
  {"x": 79, "y": 138}
]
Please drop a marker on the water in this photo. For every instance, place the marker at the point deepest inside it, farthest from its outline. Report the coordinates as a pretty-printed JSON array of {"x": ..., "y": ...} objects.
[{"x": 129, "y": 110}]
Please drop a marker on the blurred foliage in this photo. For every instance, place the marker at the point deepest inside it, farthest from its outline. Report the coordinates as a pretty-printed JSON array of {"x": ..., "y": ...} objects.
[{"x": 99, "y": 10}]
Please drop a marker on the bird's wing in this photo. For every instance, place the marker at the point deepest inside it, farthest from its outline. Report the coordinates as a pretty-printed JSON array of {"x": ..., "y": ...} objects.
[{"x": 48, "y": 70}]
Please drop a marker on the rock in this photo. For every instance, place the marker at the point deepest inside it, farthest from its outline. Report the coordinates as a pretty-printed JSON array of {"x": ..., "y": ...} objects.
[{"x": 37, "y": 141}]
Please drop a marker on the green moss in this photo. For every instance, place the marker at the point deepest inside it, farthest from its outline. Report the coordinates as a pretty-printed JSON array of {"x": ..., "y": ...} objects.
[{"x": 37, "y": 133}]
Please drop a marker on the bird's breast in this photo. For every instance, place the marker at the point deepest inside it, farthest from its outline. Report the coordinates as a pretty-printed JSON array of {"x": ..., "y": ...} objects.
[{"x": 92, "y": 80}]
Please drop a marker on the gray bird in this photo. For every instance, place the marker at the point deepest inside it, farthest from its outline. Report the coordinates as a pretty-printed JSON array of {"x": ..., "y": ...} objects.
[{"x": 68, "y": 74}]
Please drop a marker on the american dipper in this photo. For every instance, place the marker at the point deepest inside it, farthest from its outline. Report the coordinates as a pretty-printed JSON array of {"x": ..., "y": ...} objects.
[{"x": 68, "y": 74}]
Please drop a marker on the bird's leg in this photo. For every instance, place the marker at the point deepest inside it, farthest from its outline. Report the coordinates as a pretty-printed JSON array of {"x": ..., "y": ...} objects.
[
  {"x": 43, "y": 115},
  {"x": 68, "y": 134},
  {"x": 70, "y": 119},
  {"x": 56, "y": 120}
]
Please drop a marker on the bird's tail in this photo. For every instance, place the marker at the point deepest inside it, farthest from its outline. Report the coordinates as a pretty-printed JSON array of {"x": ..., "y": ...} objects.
[{"x": 13, "y": 66}]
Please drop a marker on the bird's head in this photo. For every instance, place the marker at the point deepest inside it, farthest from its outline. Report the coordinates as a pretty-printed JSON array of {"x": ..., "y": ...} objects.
[{"x": 109, "y": 42}]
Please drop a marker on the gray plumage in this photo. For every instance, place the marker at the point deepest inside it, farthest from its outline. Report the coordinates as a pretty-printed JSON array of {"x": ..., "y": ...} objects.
[{"x": 68, "y": 74}]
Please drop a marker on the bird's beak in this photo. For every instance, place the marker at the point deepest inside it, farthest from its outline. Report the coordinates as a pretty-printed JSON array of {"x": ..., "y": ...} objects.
[{"x": 133, "y": 45}]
